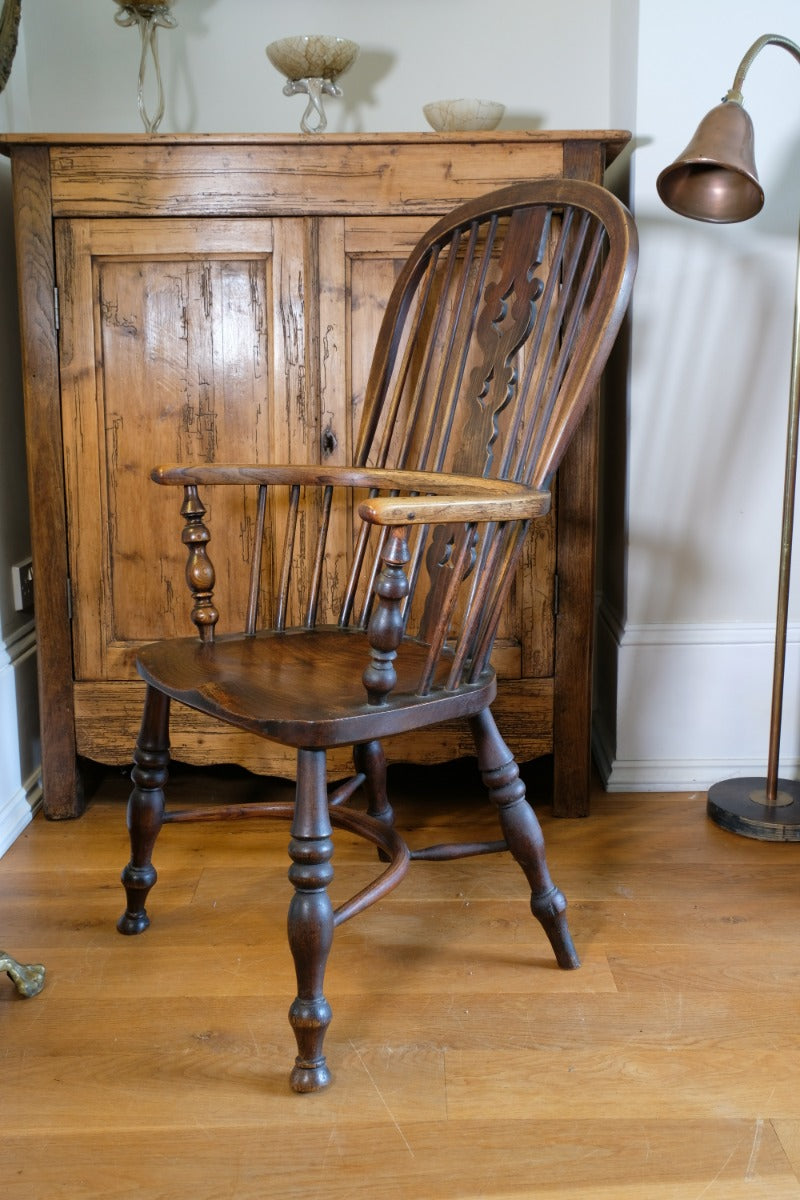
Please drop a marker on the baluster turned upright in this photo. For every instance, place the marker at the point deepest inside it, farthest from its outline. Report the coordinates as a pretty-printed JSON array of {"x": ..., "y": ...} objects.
[
  {"x": 200, "y": 574},
  {"x": 385, "y": 630}
]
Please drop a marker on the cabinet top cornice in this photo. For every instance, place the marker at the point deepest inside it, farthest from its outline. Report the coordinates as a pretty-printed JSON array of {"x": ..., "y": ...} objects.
[{"x": 614, "y": 140}]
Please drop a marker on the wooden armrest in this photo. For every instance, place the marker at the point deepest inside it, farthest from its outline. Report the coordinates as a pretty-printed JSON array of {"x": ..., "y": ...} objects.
[
  {"x": 429, "y": 496},
  {"x": 513, "y": 505}
]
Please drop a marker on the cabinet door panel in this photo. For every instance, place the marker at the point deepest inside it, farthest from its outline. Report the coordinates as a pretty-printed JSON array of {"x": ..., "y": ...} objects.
[{"x": 166, "y": 357}]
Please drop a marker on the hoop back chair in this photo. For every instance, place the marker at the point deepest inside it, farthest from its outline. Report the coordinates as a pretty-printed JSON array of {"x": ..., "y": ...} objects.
[{"x": 494, "y": 336}]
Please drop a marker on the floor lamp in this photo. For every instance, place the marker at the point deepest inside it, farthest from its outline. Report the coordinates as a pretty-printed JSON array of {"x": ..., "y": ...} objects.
[{"x": 715, "y": 180}]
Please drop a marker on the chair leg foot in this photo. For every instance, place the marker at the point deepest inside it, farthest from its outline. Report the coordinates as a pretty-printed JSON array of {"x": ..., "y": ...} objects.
[
  {"x": 550, "y": 910},
  {"x": 137, "y": 882},
  {"x": 145, "y": 810},
  {"x": 310, "y": 1024},
  {"x": 523, "y": 835},
  {"x": 310, "y": 920}
]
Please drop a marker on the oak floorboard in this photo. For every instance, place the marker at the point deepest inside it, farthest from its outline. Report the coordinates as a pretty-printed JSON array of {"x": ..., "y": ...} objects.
[
  {"x": 452, "y": 1160},
  {"x": 465, "y": 1063}
]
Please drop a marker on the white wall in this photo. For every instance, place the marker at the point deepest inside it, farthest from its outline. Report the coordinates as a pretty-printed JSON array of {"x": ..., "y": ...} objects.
[
  {"x": 548, "y": 63},
  {"x": 19, "y": 728},
  {"x": 686, "y": 632}
]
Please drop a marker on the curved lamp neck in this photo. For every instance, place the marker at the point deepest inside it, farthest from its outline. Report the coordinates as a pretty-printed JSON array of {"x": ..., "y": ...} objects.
[{"x": 768, "y": 39}]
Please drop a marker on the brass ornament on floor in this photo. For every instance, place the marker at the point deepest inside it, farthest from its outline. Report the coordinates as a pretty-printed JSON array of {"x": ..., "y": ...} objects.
[
  {"x": 28, "y": 979},
  {"x": 715, "y": 180}
]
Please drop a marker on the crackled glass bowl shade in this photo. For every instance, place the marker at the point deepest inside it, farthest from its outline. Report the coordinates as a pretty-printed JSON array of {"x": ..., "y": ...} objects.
[
  {"x": 312, "y": 56},
  {"x": 466, "y": 114}
]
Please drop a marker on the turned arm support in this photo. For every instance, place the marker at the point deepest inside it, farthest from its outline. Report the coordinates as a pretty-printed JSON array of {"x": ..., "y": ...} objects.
[{"x": 199, "y": 569}]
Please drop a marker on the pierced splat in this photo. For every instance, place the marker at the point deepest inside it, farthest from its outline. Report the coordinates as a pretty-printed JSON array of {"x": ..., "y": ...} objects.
[{"x": 505, "y": 321}]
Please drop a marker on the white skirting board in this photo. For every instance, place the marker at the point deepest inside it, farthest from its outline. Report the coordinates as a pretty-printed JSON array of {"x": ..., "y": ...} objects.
[
  {"x": 20, "y": 769},
  {"x": 17, "y": 811},
  {"x": 680, "y": 707}
]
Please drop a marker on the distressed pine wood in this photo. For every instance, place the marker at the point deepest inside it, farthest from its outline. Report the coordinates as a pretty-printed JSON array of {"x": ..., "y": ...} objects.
[
  {"x": 295, "y": 177},
  {"x": 344, "y": 211},
  {"x": 187, "y": 300},
  {"x": 163, "y": 1074},
  {"x": 36, "y": 281}
]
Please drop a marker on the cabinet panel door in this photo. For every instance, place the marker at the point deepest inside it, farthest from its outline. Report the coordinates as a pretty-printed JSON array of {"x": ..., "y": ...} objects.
[
  {"x": 167, "y": 355},
  {"x": 375, "y": 250}
]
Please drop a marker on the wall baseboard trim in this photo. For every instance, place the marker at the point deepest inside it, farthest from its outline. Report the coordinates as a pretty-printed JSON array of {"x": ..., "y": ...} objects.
[
  {"x": 18, "y": 644},
  {"x": 675, "y": 775},
  {"x": 736, "y": 633},
  {"x": 17, "y": 811},
  {"x": 681, "y": 707},
  {"x": 20, "y": 757}
]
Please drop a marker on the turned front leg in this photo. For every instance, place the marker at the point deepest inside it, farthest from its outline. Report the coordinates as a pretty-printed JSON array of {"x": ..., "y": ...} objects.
[
  {"x": 310, "y": 919},
  {"x": 523, "y": 834},
  {"x": 145, "y": 809}
]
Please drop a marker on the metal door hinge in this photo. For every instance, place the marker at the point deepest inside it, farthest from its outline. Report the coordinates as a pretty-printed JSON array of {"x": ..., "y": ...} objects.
[{"x": 56, "y": 310}]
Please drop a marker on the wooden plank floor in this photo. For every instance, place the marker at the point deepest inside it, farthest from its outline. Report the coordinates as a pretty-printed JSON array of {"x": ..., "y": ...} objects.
[{"x": 465, "y": 1063}]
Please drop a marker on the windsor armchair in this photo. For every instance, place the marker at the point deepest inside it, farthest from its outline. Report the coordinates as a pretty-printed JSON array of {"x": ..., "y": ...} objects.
[{"x": 493, "y": 339}]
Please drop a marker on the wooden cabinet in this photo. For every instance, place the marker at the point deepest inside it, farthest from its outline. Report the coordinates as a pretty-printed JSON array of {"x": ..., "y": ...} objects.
[{"x": 213, "y": 298}]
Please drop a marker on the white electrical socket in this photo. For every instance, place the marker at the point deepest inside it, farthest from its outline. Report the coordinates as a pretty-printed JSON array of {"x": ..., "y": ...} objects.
[{"x": 22, "y": 585}]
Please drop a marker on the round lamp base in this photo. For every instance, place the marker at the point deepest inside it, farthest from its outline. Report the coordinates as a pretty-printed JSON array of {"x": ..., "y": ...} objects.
[{"x": 740, "y": 806}]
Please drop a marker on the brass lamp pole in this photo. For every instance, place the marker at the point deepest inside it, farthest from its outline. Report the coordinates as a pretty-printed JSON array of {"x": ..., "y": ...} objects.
[{"x": 715, "y": 180}]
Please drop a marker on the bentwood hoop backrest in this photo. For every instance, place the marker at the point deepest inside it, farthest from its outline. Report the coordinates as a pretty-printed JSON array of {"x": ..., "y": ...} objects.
[
  {"x": 496, "y": 332},
  {"x": 493, "y": 340}
]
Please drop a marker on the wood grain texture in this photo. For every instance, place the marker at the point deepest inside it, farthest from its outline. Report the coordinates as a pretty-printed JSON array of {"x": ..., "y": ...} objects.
[
  {"x": 40, "y": 367},
  {"x": 192, "y": 268},
  {"x": 466, "y": 1064}
]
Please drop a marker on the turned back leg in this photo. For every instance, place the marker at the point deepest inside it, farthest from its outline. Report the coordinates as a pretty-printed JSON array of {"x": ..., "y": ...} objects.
[
  {"x": 522, "y": 833},
  {"x": 145, "y": 808},
  {"x": 370, "y": 759}
]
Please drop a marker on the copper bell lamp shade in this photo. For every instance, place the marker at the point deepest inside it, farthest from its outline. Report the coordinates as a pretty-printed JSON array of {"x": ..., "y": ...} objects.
[{"x": 715, "y": 180}]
